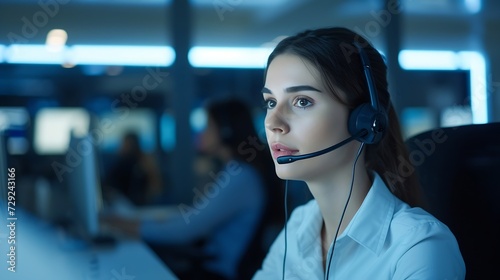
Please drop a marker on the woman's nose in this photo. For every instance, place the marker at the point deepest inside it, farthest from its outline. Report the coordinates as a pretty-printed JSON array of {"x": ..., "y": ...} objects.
[{"x": 276, "y": 121}]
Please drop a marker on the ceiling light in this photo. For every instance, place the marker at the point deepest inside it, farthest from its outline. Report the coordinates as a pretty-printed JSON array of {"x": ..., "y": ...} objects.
[
  {"x": 228, "y": 57},
  {"x": 122, "y": 55},
  {"x": 91, "y": 55},
  {"x": 2, "y": 53},
  {"x": 32, "y": 54},
  {"x": 473, "y": 6},
  {"x": 56, "y": 40}
]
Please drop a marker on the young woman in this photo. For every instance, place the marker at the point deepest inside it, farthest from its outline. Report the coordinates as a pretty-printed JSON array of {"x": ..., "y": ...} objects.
[{"x": 363, "y": 222}]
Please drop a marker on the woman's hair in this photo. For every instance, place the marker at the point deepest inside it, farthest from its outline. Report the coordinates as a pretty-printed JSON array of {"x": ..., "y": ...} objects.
[{"x": 333, "y": 52}]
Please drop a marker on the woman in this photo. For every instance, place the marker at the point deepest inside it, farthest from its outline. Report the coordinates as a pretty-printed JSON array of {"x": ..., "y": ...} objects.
[
  {"x": 226, "y": 211},
  {"x": 363, "y": 222}
]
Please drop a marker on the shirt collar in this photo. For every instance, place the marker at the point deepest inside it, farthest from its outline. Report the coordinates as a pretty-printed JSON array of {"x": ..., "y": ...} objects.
[
  {"x": 308, "y": 236},
  {"x": 369, "y": 226}
]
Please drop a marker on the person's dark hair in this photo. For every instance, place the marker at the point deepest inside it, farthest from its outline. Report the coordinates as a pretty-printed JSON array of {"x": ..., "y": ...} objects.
[
  {"x": 333, "y": 53},
  {"x": 132, "y": 138},
  {"x": 234, "y": 120}
]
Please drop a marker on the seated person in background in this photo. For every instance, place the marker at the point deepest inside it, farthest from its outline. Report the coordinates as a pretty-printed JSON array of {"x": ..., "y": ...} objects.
[
  {"x": 226, "y": 211},
  {"x": 135, "y": 174}
]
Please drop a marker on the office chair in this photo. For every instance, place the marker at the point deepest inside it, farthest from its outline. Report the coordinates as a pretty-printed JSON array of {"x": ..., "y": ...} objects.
[{"x": 458, "y": 169}]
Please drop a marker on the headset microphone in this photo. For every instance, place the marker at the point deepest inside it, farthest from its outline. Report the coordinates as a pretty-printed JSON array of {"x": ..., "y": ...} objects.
[
  {"x": 290, "y": 159},
  {"x": 367, "y": 123}
]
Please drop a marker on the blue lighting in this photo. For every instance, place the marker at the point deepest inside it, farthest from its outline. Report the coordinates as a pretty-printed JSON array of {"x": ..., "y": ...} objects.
[
  {"x": 123, "y": 55},
  {"x": 90, "y": 55},
  {"x": 2, "y": 55},
  {"x": 450, "y": 60},
  {"x": 228, "y": 57},
  {"x": 33, "y": 54},
  {"x": 473, "y": 6}
]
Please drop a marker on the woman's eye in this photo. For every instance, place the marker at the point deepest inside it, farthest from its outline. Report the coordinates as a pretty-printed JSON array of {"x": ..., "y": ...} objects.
[
  {"x": 302, "y": 103},
  {"x": 269, "y": 104}
]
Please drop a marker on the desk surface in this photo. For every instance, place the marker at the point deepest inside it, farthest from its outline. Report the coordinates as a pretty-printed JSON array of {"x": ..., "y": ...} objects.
[{"x": 44, "y": 252}]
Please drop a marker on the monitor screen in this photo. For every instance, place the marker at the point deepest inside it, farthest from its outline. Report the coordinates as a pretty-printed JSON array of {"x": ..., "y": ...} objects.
[
  {"x": 114, "y": 126},
  {"x": 3, "y": 175},
  {"x": 14, "y": 121},
  {"x": 53, "y": 127},
  {"x": 84, "y": 188}
]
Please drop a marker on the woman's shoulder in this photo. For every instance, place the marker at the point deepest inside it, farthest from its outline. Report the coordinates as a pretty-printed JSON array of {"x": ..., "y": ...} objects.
[
  {"x": 407, "y": 221},
  {"x": 414, "y": 221},
  {"x": 424, "y": 246}
]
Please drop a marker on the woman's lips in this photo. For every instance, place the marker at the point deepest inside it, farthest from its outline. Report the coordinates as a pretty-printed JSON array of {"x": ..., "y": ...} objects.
[{"x": 279, "y": 150}]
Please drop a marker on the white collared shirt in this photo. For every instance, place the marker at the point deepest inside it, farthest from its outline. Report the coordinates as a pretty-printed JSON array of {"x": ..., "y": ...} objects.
[{"x": 386, "y": 239}]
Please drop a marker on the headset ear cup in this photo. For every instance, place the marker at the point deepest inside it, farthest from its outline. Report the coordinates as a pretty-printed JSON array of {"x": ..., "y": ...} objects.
[
  {"x": 366, "y": 118},
  {"x": 379, "y": 126}
]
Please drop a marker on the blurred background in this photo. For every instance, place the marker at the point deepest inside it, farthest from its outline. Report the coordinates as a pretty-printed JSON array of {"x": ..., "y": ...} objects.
[
  {"x": 111, "y": 67},
  {"x": 114, "y": 66}
]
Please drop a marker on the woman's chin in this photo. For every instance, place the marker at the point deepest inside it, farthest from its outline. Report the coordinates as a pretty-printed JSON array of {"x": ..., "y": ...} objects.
[{"x": 288, "y": 173}]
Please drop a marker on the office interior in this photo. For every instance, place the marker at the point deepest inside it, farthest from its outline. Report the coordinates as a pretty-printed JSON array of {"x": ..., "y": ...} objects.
[{"x": 105, "y": 68}]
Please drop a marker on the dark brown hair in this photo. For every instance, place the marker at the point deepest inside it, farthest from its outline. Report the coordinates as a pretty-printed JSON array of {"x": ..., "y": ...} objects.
[{"x": 333, "y": 52}]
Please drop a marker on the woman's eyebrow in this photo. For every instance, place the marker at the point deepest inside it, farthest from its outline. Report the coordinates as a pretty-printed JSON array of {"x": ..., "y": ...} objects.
[
  {"x": 266, "y": 90},
  {"x": 293, "y": 89},
  {"x": 301, "y": 88}
]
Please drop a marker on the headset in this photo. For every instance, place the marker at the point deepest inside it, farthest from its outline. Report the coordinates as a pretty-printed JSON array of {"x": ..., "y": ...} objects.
[
  {"x": 368, "y": 117},
  {"x": 367, "y": 123}
]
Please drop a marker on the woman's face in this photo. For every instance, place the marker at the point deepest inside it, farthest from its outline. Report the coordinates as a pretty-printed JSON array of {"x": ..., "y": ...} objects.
[{"x": 303, "y": 117}]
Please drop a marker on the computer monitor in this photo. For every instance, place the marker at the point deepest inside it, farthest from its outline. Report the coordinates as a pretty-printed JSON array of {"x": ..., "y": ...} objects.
[
  {"x": 53, "y": 127},
  {"x": 3, "y": 173},
  {"x": 114, "y": 126},
  {"x": 15, "y": 122},
  {"x": 84, "y": 188}
]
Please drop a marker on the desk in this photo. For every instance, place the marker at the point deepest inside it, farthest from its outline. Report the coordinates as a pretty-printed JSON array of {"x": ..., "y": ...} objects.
[{"x": 45, "y": 252}]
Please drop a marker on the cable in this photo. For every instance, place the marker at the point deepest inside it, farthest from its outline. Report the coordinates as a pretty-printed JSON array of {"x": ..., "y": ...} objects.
[
  {"x": 341, "y": 217},
  {"x": 286, "y": 222},
  {"x": 345, "y": 208}
]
